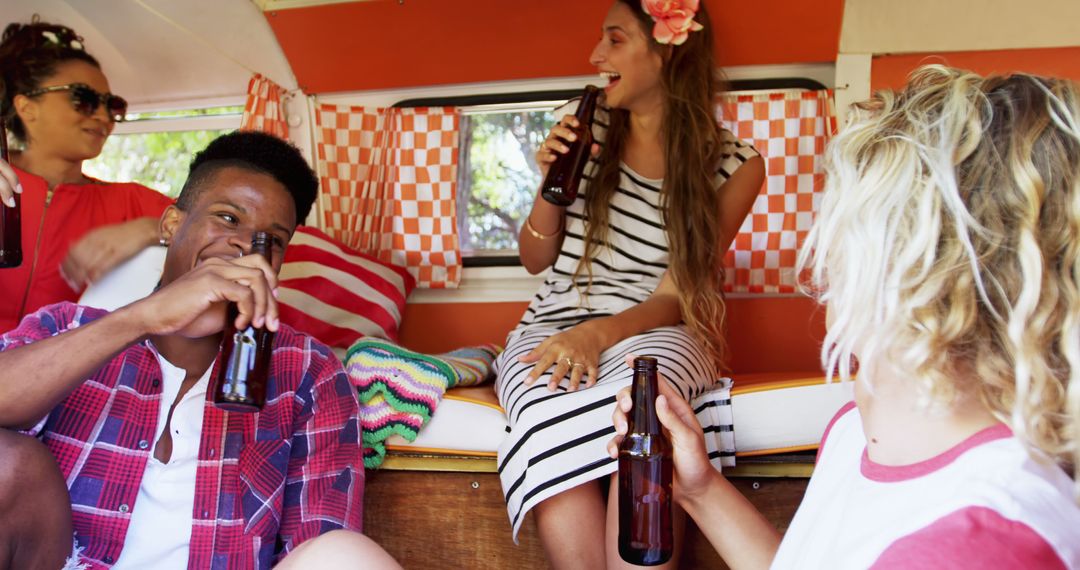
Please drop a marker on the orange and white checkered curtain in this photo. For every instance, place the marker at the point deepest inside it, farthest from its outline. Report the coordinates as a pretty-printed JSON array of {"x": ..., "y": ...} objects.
[
  {"x": 263, "y": 110},
  {"x": 389, "y": 184},
  {"x": 789, "y": 129}
]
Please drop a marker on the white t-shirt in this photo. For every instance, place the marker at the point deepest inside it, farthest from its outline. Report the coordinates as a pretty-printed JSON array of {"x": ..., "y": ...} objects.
[
  {"x": 986, "y": 503},
  {"x": 159, "y": 533}
]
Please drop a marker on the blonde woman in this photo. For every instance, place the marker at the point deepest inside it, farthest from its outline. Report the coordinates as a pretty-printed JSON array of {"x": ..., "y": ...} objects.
[{"x": 948, "y": 252}]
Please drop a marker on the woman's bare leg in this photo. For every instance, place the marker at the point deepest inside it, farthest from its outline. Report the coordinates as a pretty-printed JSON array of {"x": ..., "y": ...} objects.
[{"x": 571, "y": 527}]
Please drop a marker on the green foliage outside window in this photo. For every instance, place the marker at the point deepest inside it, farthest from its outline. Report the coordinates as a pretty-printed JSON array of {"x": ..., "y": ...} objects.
[
  {"x": 158, "y": 160},
  {"x": 499, "y": 173},
  {"x": 499, "y": 176}
]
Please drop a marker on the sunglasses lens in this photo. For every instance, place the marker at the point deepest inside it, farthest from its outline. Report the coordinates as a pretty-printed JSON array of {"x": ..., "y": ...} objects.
[
  {"x": 117, "y": 108},
  {"x": 85, "y": 100}
]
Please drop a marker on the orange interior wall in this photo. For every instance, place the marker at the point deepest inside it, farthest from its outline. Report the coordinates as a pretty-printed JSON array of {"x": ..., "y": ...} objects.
[
  {"x": 765, "y": 334},
  {"x": 385, "y": 44},
  {"x": 438, "y": 327},
  {"x": 891, "y": 71},
  {"x": 775, "y": 334}
]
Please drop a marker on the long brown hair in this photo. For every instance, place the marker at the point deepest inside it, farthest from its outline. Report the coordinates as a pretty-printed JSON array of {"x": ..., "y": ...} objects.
[{"x": 689, "y": 200}]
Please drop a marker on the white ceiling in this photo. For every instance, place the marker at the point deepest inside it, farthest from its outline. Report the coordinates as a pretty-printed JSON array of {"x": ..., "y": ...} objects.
[{"x": 167, "y": 53}]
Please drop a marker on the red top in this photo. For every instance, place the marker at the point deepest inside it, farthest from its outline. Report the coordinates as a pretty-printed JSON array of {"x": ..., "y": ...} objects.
[{"x": 74, "y": 210}]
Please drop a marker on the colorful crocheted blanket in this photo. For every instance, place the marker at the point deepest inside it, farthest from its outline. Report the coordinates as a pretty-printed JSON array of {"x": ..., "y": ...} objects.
[{"x": 400, "y": 388}]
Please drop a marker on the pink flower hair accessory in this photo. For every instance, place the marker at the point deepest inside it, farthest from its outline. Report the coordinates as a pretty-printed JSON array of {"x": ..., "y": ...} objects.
[{"x": 674, "y": 19}]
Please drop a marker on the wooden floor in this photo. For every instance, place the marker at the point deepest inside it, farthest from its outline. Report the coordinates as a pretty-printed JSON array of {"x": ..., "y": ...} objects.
[{"x": 433, "y": 519}]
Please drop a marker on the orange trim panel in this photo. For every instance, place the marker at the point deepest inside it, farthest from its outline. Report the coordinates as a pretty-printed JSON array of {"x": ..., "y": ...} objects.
[
  {"x": 891, "y": 71},
  {"x": 776, "y": 450},
  {"x": 751, "y": 387},
  {"x": 473, "y": 401},
  {"x": 439, "y": 451},
  {"x": 384, "y": 45}
]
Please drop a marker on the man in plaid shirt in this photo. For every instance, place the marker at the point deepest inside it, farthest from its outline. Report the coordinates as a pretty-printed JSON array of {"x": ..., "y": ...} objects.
[{"x": 156, "y": 475}]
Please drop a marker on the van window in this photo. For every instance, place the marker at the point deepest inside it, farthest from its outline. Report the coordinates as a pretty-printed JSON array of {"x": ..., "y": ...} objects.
[
  {"x": 154, "y": 149},
  {"x": 497, "y": 173},
  {"x": 498, "y": 177}
]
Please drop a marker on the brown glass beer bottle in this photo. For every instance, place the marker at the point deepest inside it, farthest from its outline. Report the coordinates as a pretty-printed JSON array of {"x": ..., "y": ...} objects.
[
  {"x": 10, "y": 219},
  {"x": 645, "y": 475},
  {"x": 564, "y": 176},
  {"x": 243, "y": 367}
]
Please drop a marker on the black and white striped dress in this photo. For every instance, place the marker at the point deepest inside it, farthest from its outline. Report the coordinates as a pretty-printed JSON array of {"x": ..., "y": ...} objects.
[{"x": 557, "y": 440}]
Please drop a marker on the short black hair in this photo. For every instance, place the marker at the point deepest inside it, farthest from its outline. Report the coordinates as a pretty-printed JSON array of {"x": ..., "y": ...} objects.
[
  {"x": 29, "y": 56},
  {"x": 257, "y": 152}
]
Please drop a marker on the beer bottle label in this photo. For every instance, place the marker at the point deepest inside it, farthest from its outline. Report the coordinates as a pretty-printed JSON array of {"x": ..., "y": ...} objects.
[{"x": 242, "y": 360}]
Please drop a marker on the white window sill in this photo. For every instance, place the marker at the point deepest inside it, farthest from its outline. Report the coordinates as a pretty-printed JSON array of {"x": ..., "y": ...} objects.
[
  {"x": 485, "y": 285},
  {"x": 514, "y": 284}
]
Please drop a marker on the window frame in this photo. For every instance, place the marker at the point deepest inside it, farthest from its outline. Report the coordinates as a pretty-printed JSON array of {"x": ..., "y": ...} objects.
[
  {"x": 177, "y": 124},
  {"x": 508, "y": 101}
]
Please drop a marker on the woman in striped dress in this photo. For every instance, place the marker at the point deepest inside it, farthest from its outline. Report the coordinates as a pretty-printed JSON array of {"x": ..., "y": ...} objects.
[{"x": 635, "y": 268}]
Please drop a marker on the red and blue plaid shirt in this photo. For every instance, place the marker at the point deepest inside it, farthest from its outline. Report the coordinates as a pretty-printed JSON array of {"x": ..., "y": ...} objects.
[{"x": 264, "y": 483}]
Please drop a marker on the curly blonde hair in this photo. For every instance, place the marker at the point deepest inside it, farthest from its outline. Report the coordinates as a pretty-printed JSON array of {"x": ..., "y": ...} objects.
[{"x": 948, "y": 242}]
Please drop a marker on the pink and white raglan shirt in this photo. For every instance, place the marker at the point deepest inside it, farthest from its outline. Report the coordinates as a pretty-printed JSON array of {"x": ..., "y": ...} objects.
[{"x": 986, "y": 503}]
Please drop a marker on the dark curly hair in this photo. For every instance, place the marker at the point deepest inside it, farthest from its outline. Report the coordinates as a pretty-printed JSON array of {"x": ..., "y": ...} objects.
[
  {"x": 257, "y": 152},
  {"x": 29, "y": 55}
]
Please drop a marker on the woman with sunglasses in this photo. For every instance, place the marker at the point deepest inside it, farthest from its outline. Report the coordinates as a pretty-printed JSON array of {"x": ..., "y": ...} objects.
[{"x": 55, "y": 101}]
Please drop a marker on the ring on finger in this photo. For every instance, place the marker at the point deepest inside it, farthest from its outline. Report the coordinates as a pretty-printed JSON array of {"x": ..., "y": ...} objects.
[
  {"x": 566, "y": 359},
  {"x": 576, "y": 364}
]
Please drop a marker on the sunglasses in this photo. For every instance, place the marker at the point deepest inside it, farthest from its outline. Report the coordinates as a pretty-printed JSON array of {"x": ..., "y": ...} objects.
[{"x": 86, "y": 100}]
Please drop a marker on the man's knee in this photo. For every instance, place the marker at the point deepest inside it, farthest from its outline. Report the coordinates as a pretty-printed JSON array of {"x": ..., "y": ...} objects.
[
  {"x": 35, "y": 511},
  {"x": 339, "y": 549},
  {"x": 28, "y": 471}
]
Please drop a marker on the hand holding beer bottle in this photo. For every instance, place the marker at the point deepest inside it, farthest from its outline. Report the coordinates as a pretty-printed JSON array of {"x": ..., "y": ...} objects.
[
  {"x": 646, "y": 536},
  {"x": 691, "y": 460},
  {"x": 243, "y": 368},
  {"x": 566, "y": 151},
  {"x": 693, "y": 475},
  {"x": 10, "y": 210}
]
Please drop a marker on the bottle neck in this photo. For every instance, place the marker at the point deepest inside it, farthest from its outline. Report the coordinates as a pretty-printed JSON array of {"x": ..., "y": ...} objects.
[
  {"x": 587, "y": 107},
  {"x": 645, "y": 389}
]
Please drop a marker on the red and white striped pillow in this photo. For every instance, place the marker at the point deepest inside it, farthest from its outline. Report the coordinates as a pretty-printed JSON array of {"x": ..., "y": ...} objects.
[{"x": 337, "y": 294}]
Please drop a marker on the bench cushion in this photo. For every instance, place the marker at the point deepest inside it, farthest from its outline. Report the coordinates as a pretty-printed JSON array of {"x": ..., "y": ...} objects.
[{"x": 773, "y": 413}]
